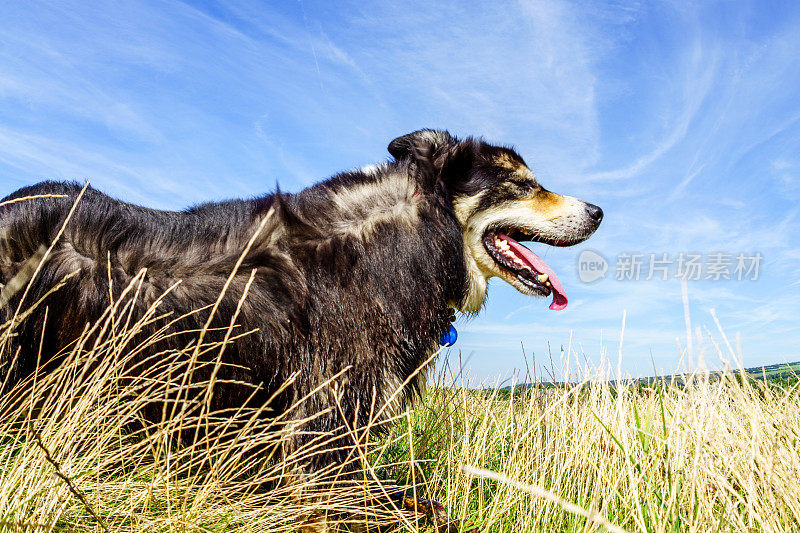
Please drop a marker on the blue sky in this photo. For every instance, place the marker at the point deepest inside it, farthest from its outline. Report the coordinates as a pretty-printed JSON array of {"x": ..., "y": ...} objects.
[{"x": 681, "y": 120}]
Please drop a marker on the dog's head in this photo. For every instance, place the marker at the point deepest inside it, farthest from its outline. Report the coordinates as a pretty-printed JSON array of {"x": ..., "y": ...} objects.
[{"x": 498, "y": 202}]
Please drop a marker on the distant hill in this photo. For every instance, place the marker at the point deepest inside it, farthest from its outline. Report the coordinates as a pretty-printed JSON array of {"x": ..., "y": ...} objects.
[
  {"x": 779, "y": 371},
  {"x": 782, "y": 371}
]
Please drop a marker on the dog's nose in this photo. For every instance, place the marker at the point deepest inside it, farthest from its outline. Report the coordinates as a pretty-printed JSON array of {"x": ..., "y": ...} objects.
[{"x": 595, "y": 213}]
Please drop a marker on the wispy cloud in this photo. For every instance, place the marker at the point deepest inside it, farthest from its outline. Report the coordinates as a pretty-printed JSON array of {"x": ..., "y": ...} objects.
[{"x": 696, "y": 82}]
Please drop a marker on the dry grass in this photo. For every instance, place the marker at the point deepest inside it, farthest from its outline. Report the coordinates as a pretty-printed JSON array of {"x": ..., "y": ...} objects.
[
  {"x": 708, "y": 456},
  {"x": 711, "y": 455},
  {"x": 76, "y": 454}
]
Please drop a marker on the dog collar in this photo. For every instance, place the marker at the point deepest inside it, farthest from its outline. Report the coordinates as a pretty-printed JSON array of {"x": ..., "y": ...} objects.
[{"x": 450, "y": 336}]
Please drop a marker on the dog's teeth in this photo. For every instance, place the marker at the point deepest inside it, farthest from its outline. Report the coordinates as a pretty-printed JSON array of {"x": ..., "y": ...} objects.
[{"x": 542, "y": 278}]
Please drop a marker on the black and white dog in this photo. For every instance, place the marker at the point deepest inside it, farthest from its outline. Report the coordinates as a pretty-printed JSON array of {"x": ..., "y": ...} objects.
[{"x": 355, "y": 275}]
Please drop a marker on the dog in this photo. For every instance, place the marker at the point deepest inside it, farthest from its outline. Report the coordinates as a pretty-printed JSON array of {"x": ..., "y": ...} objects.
[{"x": 356, "y": 276}]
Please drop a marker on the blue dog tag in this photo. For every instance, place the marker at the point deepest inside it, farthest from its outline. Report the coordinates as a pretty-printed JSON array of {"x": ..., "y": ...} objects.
[{"x": 449, "y": 337}]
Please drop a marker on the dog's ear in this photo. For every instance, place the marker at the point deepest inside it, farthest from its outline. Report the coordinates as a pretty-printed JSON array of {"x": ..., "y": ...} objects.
[
  {"x": 438, "y": 156},
  {"x": 420, "y": 143}
]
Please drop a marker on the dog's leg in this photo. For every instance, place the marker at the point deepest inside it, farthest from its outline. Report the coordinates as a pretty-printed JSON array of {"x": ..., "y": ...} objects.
[{"x": 436, "y": 512}]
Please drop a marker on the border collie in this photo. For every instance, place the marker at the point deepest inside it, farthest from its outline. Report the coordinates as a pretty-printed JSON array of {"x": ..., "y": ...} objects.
[{"x": 355, "y": 277}]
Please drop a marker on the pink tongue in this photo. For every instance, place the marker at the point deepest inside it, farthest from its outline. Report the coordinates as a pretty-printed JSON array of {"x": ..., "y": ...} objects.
[{"x": 535, "y": 262}]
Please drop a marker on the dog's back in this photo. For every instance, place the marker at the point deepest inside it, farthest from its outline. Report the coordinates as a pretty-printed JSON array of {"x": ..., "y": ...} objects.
[{"x": 106, "y": 244}]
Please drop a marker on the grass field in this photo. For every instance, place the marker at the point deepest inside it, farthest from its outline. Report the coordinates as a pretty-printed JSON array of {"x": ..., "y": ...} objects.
[{"x": 718, "y": 454}]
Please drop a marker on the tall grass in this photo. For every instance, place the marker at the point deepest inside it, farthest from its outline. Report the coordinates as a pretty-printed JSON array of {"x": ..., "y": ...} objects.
[
  {"x": 78, "y": 453},
  {"x": 708, "y": 455}
]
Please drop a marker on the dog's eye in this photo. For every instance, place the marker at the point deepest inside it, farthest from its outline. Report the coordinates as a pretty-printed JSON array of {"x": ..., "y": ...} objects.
[{"x": 523, "y": 184}]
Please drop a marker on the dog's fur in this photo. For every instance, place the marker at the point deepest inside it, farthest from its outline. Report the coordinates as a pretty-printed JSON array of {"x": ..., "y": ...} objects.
[{"x": 358, "y": 272}]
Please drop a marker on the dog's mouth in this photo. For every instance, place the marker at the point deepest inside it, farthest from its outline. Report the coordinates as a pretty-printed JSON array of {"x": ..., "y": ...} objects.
[{"x": 524, "y": 265}]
